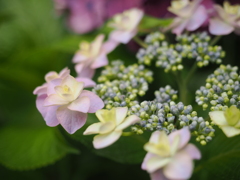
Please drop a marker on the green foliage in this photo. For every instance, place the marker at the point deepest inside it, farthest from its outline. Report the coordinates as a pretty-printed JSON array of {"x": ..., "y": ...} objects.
[
  {"x": 220, "y": 159},
  {"x": 126, "y": 150},
  {"x": 149, "y": 22},
  {"x": 30, "y": 148}
]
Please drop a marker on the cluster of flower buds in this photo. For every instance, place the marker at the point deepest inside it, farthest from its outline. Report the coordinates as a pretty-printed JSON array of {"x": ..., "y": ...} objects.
[
  {"x": 222, "y": 89},
  {"x": 169, "y": 56},
  {"x": 165, "y": 94},
  {"x": 170, "y": 117},
  {"x": 120, "y": 86}
]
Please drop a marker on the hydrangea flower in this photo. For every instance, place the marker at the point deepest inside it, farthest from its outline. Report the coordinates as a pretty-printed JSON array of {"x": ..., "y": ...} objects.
[
  {"x": 66, "y": 103},
  {"x": 227, "y": 19},
  {"x": 228, "y": 120},
  {"x": 170, "y": 157},
  {"x": 190, "y": 15},
  {"x": 91, "y": 56},
  {"x": 111, "y": 125},
  {"x": 125, "y": 25}
]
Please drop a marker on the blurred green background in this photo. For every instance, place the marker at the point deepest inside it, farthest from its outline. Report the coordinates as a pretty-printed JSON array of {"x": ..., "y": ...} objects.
[{"x": 34, "y": 41}]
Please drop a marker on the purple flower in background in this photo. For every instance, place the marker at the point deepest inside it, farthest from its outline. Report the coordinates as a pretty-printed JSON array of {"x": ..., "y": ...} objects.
[{"x": 87, "y": 15}]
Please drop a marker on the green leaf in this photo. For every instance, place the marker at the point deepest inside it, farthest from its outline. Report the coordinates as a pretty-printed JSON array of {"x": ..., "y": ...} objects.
[
  {"x": 220, "y": 159},
  {"x": 125, "y": 150},
  {"x": 30, "y": 148},
  {"x": 149, "y": 22}
]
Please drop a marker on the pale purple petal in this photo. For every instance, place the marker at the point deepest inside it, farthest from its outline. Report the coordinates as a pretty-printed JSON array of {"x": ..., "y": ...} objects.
[
  {"x": 193, "y": 151},
  {"x": 179, "y": 28},
  {"x": 121, "y": 113},
  {"x": 148, "y": 156},
  {"x": 48, "y": 113},
  {"x": 82, "y": 104},
  {"x": 87, "y": 82},
  {"x": 52, "y": 84},
  {"x": 100, "y": 61},
  {"x": 93, "y": 129},
  {"x": 96, "y": 102},
  {"x": 77, "y": 58},
  {"x": 50, "y": 76},
  {"x": 71, "y": 121},
  {"x": 128, "y": 121},
  {"x": 63, "y": 73},
  {"x": 84, "y": 71},
  {"x": 219, "y": 27},
  {"x": 184, "y": 135},
  {"x": 104, "y": 140},
  {"x": 109, "y": 45},
  {"x": 197, "y": 19},
  {"x": 158, "y": 175},
  {"x": 122, "y": 36},
  {"x": 180, "y": 167},
  {"x": 40, "y": 90}
]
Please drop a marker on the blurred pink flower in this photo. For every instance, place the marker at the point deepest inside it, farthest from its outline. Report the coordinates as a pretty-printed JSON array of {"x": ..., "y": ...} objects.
[
  {"x": 170, "y": 157},
  {"x": 43, "y": 92},
  {"x": 226, "y": 20},
  {"x": 86, "y": 15},
  {"x": 125, "y": 25},
  {"x": 91, "y": 56},
  {"x": 190, "y": 15}
]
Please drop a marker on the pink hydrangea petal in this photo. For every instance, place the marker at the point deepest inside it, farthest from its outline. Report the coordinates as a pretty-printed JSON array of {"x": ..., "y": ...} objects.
[
  {"x": 158, "y": 175},
  {"x": 55, "y": 100},
  {"x": 87, "y": 82},
  {"x": 192, "y": 151},
  {"x": 96, "y": 102},
  {"x": 71, "y": 121},
  {"x": 63, "y": 73},
  {"x": 93, "y": 129},
  {"x": 48, "y": 77},
  {"x": 79, "y": 67},
  {"x": 219, "y": 27},
  {"x": 77, "y": 58},
  {"x": 82, "y": 104},
  {"x": 184, "y": 134},
  {"x": 110, "y": 45},
  {"x": 51, "y": 86},
  {"x": 121, "y": 113},
  {"x": 179, "y": 29},
  {"x": 84, "y": 71},
  {"x": 180, "y": 167},
  {"x": 100, "y": 61},
  {"x": 48, "y": 113},
  {"x": 104, "y": 140},
  {"x": 198, "y": 18},
  {"x": 40, "y": 90},
  {"x": 128, "y": 121},
  {"x": 122, "y": 36}
]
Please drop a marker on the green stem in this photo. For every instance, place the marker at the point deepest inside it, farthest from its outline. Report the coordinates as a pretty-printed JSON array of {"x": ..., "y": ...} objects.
[
  {"x": 191, "y": 72},
  {"x": 127, "y": 133},
  {"x": 182, "y": 88},
  {"x": 140, "y": 42},
  {"x": 215, "y": 40}
]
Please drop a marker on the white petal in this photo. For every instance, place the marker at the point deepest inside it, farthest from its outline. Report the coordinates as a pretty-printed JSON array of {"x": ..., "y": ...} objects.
[
  {"x": 230, "y": 131},
  {"x": 104, "y": 140},
  {"x": 55, "y": 100},
  {"x": 121, "y": 113},
  {"x": 218, "y": 118},
  {"x": 157, "y": 162},
  {"x": 184, "y": 135},
  {"x": 107, "y": 127},
  {"x": 93, "y": 129},
  {"x": 127, "y": 122}
]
